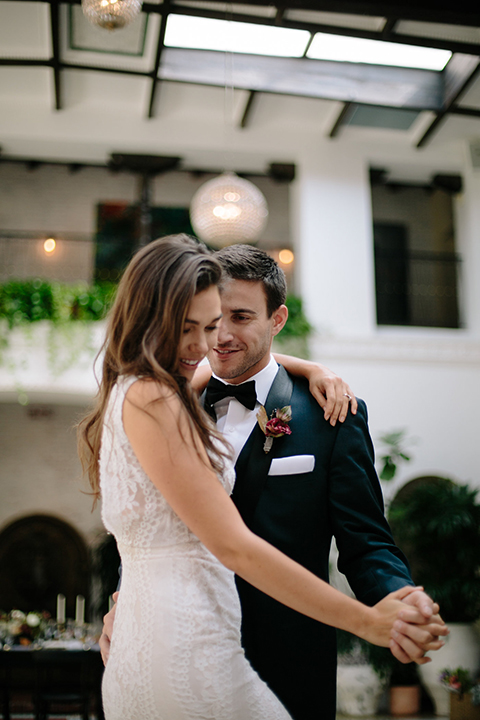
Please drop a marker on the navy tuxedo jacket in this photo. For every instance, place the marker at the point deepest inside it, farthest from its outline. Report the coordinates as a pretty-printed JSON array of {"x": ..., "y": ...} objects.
[{"x": 299, "y": 513}]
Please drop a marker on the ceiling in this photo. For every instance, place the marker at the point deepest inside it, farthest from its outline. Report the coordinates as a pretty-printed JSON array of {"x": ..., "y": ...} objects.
[{"x": 70, "y": 92}]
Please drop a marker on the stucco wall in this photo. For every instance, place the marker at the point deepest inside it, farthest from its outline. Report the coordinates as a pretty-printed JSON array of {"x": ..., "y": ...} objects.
[{"x": 39, "y": 468}]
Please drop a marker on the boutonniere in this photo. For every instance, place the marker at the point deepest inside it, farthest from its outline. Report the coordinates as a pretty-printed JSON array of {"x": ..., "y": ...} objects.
[{"x": 276, "y": 427}]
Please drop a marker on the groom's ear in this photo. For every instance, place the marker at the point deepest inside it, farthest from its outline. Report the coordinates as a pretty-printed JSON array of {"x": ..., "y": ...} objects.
[{"x": 280, "y": 316}]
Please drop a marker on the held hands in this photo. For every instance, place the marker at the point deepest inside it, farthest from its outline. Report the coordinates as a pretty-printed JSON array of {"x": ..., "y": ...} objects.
[
  {"x": 107, "y": 630},
  {"x": 410, "y": 628},
  {"x": 411, "y": 642}
]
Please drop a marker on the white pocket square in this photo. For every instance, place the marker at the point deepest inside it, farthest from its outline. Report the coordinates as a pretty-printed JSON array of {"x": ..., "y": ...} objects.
[{"x": 292, "y": 465}]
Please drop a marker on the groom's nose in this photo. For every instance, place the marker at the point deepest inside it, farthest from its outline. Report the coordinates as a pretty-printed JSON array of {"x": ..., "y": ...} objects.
[{"x": 225, "y": 334}]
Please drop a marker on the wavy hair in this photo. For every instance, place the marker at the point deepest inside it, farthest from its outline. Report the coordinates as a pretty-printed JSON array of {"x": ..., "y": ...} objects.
[{"x": 143, "y": 334}]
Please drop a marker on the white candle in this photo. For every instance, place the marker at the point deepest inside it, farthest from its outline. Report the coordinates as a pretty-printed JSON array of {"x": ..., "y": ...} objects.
[
  {"x": 61, "y": 609},
  {"x": 80, "y": 610}
]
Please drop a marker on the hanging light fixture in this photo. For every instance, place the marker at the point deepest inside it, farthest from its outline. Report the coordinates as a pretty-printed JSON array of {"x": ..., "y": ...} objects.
[
  {"x": 227, "y": 210},
  {"x": 111, "y": 14}
]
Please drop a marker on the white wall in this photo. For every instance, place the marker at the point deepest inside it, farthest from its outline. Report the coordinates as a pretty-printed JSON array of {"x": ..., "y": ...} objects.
[
  {"x": 426, "y": 381},
  {"x": 40, "y": 471}
]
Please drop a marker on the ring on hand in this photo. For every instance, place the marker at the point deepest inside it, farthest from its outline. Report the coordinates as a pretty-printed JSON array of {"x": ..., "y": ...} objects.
[{"x": 347, "y": 396}]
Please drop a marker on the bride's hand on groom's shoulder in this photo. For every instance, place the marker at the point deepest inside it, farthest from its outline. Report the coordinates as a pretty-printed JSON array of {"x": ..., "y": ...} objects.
[{"x": 107, "y": 631}]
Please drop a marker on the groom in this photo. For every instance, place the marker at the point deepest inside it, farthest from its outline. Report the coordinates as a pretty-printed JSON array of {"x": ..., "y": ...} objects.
[{"x": 317, "y": 482}]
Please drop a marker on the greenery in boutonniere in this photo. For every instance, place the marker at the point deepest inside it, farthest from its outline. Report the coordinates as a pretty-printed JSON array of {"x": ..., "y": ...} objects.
[
  {"x": 69, "y": 309},
  {"x": 276, "y": 427}
]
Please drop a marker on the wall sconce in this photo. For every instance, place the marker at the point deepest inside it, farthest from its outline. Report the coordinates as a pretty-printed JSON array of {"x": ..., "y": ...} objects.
[
  {"x": 286, "y": 257},
  {"x": 49, "y": 246}
]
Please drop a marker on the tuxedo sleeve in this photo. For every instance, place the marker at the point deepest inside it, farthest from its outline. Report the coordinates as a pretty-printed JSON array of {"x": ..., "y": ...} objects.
[{"x": 368, "y": 556}]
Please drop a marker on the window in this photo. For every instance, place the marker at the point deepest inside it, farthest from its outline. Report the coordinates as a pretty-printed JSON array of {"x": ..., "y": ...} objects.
[{"x": 416, "y": 265}]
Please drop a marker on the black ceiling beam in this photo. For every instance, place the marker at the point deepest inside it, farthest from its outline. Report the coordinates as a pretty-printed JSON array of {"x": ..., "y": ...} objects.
[
  {"x": 440, "y": 43},
  {"x": 158, "y": 57},
  {"x": 468, "y": 111},
  {"x": 445, "y": 11},
  {"x": 55, "y": 31},
  {"x": 32, "y": 163},
  {"x": 388, "y": 28},
  {"x": 248, "y": 108},
  {"x": 340, "y": 119},
  {"x": 279, "y": 15},
  {"x": 24, "y": 62},
  {"x": 459, "y": 74},
  {"x": 100, "y": 68}
]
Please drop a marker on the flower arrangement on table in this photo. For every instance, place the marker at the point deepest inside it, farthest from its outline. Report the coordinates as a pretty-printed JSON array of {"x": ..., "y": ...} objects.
[
  {"x": 19, "y": 628},
  {"x": 460, "y": 681}
]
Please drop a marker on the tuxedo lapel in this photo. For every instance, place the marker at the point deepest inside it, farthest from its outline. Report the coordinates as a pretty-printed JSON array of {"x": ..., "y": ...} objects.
[{"x": 253, "y": 463}]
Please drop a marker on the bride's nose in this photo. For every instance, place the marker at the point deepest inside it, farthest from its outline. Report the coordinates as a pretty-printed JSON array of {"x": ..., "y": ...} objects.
[{"x": 201, "y": 345}]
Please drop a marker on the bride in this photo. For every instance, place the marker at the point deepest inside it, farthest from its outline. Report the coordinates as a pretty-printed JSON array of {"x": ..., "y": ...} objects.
[{"x": 165, "y": 477}]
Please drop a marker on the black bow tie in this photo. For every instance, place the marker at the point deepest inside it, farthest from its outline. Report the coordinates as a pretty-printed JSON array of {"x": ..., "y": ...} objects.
[{"x": 216, "y": 390}]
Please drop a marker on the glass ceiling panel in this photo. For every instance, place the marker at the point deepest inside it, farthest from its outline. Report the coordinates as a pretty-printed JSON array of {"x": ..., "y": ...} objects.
[
  {"x": 375, "y": 52},
  {"x": 199, "y": 33}
]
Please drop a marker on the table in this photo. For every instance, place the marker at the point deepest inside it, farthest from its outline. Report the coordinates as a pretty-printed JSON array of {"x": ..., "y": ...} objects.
[{"x": 51, "y": 676}]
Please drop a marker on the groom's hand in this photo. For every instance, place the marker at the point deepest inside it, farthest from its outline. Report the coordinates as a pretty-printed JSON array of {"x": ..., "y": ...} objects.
[
  {"x": 107, "y": 631},
  {"x": 409, "y": 641}
]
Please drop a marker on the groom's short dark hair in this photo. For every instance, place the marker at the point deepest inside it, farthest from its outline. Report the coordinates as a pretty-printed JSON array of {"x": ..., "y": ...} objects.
[{"x": 245, "y": 262}]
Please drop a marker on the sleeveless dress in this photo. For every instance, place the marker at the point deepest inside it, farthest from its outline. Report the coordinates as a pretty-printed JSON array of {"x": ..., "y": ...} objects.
[{"x": 175, "y": 652}]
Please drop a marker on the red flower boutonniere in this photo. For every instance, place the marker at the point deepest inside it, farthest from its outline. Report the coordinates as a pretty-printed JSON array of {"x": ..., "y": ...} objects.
[{"x": 276, "y": 427}]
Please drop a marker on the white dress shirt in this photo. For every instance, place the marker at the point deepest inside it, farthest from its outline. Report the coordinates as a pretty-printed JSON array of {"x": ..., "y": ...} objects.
[{"x": 235, "y": 421}]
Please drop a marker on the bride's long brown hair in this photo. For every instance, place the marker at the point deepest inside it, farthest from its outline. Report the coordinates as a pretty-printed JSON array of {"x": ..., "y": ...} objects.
[{"x": 143, "y": 336}]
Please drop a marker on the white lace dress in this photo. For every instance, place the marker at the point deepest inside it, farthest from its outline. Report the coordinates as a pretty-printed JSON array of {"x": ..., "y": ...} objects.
[{"x": 176, "y": 652}]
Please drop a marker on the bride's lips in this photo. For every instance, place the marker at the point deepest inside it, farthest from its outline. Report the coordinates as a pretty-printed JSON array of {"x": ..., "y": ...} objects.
[{"x": 190, "y": 364}]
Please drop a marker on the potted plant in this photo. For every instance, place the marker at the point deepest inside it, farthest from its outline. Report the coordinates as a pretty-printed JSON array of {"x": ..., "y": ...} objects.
[
  {"x": 363, "y": 671},
  {"x": 464, "y": 693},
  {"x": 436, "y": 523}
]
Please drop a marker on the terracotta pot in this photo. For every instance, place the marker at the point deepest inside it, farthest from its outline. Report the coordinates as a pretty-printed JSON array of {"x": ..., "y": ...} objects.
[{"x": 404, "y": 700}]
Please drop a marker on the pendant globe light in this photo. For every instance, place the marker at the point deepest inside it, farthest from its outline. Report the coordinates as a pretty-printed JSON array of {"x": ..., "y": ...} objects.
[
  {"x": 227, "y": 210},
  {"x": 111, "y": 14}
]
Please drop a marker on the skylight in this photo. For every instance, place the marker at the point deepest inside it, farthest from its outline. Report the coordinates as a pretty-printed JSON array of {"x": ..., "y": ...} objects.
[
  {"x": 376, "y": 52},
  {"x": 199, "y": 33}
]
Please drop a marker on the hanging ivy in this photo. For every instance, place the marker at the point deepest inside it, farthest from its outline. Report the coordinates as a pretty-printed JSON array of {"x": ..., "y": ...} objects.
[{"x": 29, "y": 301}]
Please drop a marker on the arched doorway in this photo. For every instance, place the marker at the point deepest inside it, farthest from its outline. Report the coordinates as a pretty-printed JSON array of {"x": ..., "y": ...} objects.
[{"x": 41, "y": 556}]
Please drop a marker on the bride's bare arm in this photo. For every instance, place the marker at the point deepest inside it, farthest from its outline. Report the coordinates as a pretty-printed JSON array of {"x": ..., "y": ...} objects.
[
  {"x": 332, "y": 393},
  {"x": 177, "y": 465}
]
